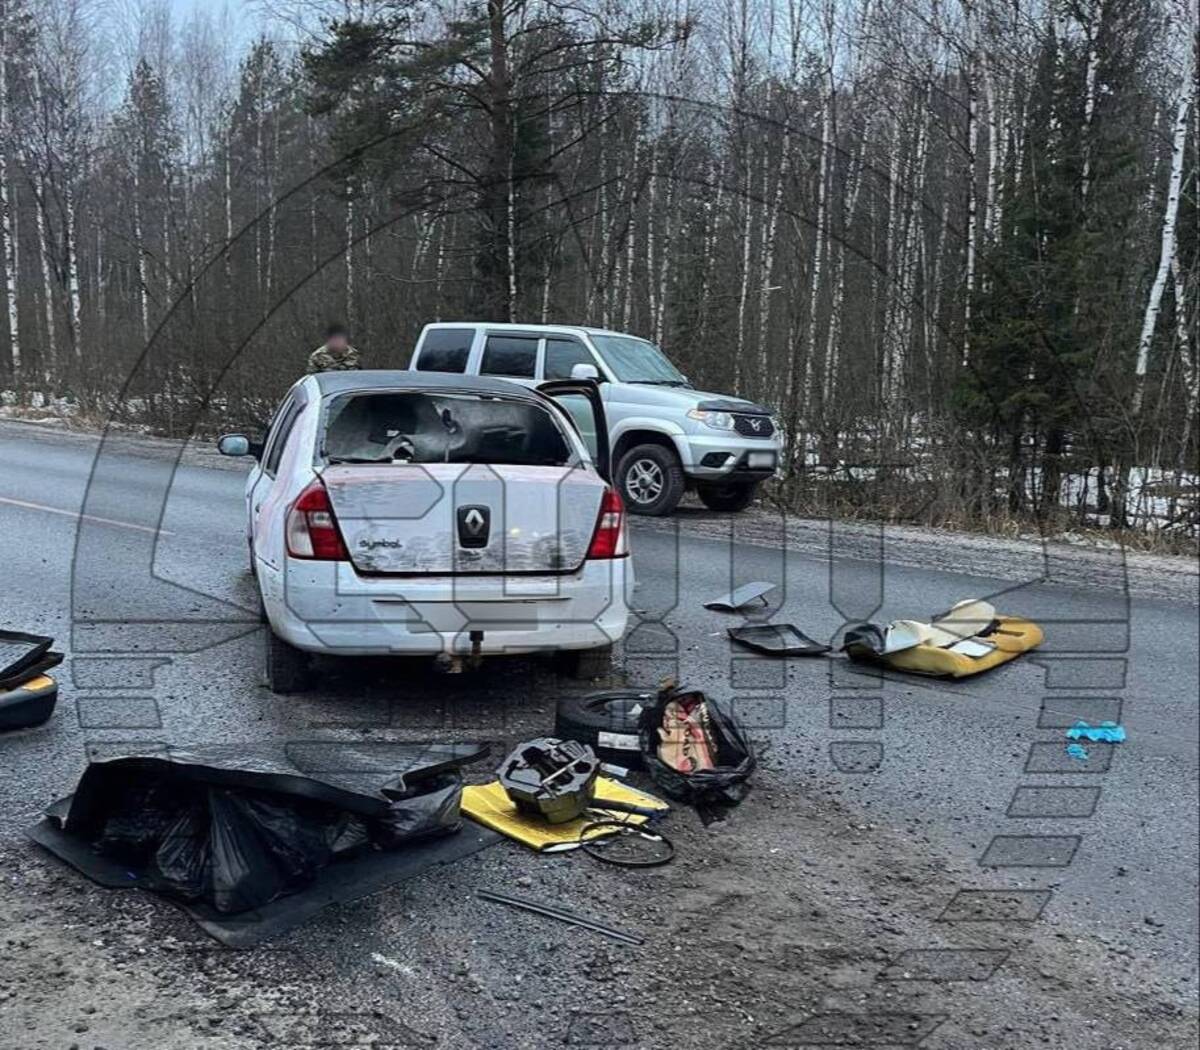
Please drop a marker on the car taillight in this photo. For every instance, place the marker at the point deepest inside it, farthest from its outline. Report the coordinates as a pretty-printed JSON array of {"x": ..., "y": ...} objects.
[
  {"x": 609, "y": 540},
  {"x": 312, "y": 529}
]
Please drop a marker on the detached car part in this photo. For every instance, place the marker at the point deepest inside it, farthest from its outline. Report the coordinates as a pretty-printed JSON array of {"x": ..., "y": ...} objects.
[
  {"x": 554, "y": 779},
  {"x": 740, "y": 597},
  {"x": 29, "y": 704},
  {"x": 19, "y": 653},
  {"x": 778, "y": 639}
]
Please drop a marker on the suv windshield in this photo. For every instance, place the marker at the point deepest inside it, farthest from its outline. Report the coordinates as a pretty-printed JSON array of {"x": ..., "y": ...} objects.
[
  {"x": 396, "y": 427},
  {"x": 636, "y": 361}
]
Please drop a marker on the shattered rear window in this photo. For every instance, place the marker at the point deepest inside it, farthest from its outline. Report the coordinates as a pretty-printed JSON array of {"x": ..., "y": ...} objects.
[{"x": 409, "y": 427}]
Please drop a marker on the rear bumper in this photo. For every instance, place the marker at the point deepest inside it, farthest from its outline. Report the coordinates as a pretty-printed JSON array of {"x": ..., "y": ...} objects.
[{"x": 326, "y": 607}]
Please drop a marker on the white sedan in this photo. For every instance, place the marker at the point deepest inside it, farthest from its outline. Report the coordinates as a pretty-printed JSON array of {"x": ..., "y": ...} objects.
[{"x": 427, "y": 513}]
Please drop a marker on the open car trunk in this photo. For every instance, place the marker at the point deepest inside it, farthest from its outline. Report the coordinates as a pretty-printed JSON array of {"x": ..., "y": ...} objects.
[{"x": 442, "y": 518}]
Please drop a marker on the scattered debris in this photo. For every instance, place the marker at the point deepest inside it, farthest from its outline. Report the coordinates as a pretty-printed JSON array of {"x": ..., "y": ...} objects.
[
  {"x": 1109, "y": 732},
  {"x": 562, "y": 915},
  {"x": 549, "y": 778},
  {"x": 227, "y": 831},
  {"x": 740, "y": 597},
  {"x": 489, "y": 804},
  {"x": 1077, "y": 752},
  {"x": 607, "y": 722},
  {"x": 27, "y": 694},
  {"x": 626, "y": 845},
  {"x": 695, "y": 750},
  {"x": 967, "y": 639},
  {"x": 778, "y": 639}
]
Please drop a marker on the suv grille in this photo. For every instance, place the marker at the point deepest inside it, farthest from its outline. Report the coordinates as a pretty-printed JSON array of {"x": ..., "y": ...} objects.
[{"x": 754, "y": 426}]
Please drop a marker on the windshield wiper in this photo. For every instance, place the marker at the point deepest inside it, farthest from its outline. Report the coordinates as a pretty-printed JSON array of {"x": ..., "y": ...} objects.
[{"x": 359, "y": 459}]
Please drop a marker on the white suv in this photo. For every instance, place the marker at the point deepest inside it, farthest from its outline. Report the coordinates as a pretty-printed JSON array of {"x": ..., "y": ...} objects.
[
  {"x": 408, "y": 513},
  {"x": 665, "y": 436}
]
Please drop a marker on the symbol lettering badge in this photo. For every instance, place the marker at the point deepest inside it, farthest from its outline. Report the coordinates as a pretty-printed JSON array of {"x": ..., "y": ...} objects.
[{"x": 474, "y": 524}]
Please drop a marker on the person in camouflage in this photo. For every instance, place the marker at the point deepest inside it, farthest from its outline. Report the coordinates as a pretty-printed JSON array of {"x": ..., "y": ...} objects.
[{"x": 335, "y": 354}]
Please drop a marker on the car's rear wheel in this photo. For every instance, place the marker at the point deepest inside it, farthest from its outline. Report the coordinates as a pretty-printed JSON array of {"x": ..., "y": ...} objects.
[
  {"x": 651, "y": 480},
  {"x": 731, "y": 496},
  {"x": 586, "y": 663},
  {"x": 288, "y": 669}
]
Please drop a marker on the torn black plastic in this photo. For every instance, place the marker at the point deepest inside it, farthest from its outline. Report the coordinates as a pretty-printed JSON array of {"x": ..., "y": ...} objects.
[{"x": 237, "y": 828}]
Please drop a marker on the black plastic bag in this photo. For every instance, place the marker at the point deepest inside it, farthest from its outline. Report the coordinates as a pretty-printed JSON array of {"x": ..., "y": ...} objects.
[
  {"x": 234, "y": 830},
  {"x": 182, "y": 860},
  {"x": 430, "y": 807},
  {"x": 728, "y": 782}
]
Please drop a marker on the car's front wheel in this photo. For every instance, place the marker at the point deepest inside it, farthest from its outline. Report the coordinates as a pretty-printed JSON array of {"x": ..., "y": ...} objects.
[
  {"x": 288, "y": 669},
  {"x": 651, "y": 480},
  {"x": 733, "y": 496}
]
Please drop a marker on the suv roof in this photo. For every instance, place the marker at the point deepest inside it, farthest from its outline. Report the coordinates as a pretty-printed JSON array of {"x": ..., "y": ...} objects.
[{"x": 509, "y": 327}]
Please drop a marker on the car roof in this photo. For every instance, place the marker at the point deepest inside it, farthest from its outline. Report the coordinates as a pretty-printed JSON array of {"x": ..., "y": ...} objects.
[
  {"x": 368, "y": 379},
  {"x": 508, "y": 327}
]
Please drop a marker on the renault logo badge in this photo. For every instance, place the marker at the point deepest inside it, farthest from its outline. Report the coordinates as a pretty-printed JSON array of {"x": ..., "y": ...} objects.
[{"x": 474, "y": 524}]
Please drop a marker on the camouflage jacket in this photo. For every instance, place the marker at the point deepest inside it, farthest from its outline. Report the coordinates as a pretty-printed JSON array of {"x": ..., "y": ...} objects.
[{"x": 325, "y": 360}]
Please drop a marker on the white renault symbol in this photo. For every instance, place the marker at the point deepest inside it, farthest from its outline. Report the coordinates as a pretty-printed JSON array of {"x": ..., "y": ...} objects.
[{"x": 425, "y": 513}]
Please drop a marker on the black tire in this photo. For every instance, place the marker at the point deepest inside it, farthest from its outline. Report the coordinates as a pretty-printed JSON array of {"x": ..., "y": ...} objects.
[
  {"x": 614, "y": 714},
  {"x": 288, "y": 669},
  {"x": 586, "y": 663},
  {"x": 641, "y": 469},
  {"x": 734, "y": 496}
]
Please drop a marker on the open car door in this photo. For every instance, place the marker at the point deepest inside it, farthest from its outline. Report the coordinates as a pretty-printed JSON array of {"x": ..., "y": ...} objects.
[{"x": 580, "y": 399}]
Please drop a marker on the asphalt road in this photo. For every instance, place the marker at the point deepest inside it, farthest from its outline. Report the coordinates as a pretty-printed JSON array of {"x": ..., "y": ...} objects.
[{"x": 936, "y": 765}]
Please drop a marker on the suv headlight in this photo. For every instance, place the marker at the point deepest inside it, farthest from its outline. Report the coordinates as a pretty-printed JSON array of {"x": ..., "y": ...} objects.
[{"x": 716, "y": 420}]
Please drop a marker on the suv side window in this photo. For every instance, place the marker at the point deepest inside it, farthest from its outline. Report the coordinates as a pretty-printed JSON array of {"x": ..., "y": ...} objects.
[
  {"x": 279, "y": 435},
  {"x": 445, "y": 350},
  {"x": 564, "y": 354},
  {"x": 510, "y": 355}
]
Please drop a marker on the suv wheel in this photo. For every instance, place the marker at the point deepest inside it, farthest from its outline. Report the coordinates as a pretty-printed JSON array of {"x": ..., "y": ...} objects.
[
  {"x": 289, "y": 670},
  {"x": 651, "y": 480},
  {"x": 733, "y": 496}
]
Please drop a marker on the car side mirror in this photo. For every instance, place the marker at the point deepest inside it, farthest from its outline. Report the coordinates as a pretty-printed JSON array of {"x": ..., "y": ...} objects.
[
  {"x": 585, "y": 371},
  {"x": 238, "y": 445}
]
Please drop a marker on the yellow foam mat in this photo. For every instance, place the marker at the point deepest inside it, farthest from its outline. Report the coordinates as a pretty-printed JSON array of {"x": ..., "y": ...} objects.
[
  {"x": 490, "y": 805},
  {"x": 1011, "y": 638}
]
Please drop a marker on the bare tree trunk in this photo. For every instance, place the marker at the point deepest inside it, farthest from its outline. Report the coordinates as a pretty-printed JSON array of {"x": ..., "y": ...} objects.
[
  {"x": 972, "y": 187},
  {"x": 1187, "y": 92},
  {"x": 7, "y": 216},
  {"x": 1092, "y": 29},
  {"x": 140, "y": 250},
  {"x": 801, "y": 397},
  {"x": 349, "y": 252},
  {"x": 43, "y": 236},
  {"x": 74, "y": 299}
]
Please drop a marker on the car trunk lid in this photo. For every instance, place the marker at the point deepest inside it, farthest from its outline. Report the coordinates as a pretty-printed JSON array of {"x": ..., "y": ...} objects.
[{"x": 455, "y": 518}]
